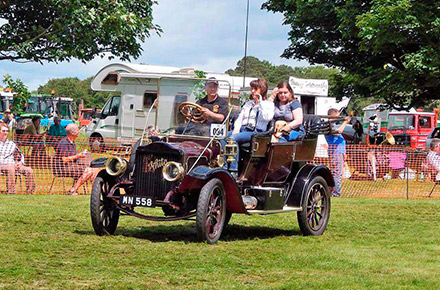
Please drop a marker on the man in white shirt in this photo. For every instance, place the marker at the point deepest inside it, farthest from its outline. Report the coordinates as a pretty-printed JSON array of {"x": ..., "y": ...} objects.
[{"x": 9, "y": 154}]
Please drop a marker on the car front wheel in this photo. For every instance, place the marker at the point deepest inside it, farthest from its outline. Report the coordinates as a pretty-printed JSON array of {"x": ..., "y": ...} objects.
[
  {"x": 103, "y": 211},
  {"x": 315, "y": 212},
  {"x": 211, "y": 211}
]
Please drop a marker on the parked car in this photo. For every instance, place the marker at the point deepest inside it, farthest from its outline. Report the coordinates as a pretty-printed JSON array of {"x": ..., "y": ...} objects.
[
  {"x": 187, "y": 176},
  {"x": 435, "y": 133}
]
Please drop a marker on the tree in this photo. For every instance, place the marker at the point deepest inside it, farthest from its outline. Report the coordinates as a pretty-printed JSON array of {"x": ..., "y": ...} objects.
[
  {"x": 385, "y": 48},
  {"x": 274, "y": 74},
  {"x": 21, "y": 94},
  {"x": 75, "y": 89},
  {"x": 59, "y": 30}
]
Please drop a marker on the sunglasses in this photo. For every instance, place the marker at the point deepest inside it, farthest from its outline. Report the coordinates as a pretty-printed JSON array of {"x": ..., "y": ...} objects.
[{"x": 4, "y": 131}]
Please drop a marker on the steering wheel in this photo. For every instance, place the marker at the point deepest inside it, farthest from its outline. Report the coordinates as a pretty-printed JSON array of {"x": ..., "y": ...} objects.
[{"x": 192, "y": 111}]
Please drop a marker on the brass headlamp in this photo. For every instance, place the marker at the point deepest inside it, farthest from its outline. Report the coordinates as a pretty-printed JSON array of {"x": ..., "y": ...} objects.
[
  {"x": 115, "y": 166},
  {"x": 231, "y": 150}
]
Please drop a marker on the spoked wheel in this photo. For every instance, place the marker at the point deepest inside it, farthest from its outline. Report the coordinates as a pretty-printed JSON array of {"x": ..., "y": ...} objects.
[
  {"x": 211, "y": 211},
  {"x": 103, "y": 211},
  {"x": 314, "y": 217}
]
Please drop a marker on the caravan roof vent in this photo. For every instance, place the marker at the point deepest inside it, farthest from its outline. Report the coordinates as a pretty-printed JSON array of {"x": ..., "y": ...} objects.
[{"x": 186, "y": 70}]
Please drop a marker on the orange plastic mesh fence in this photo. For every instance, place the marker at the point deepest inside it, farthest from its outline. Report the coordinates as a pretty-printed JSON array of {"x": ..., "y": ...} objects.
[
  {"x": 370, "y": 171},
  {"x": 45, "y": 172}
]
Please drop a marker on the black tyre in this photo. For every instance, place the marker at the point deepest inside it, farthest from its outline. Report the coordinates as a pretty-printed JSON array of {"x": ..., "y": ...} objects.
[
  {"x": 103, "y": 211},
  {"x": 227, "y": 218},
  {"x": 314, "y": 217},
  {"x": 211, "y": 211},
  {"x": 96, "y": 143}
]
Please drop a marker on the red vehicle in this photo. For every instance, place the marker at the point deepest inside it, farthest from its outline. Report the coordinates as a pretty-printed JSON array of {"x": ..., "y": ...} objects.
[
  {"x": 412, "y": 128},
  {"x": 85, "y": 117}
]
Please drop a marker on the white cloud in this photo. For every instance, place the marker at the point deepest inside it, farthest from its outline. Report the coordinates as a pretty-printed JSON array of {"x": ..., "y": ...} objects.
[{"x": 207, "y": 35}]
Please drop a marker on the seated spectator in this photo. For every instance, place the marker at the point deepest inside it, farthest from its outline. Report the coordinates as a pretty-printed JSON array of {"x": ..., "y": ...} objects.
[
  {"x": 67, "y": 162},
  {"x": 433, "y": 156},
  {"x": 10, "y": 165},
  {"x": 7, "y": 117},
  {"x": 33, "y": 128},
  {"x": 56, "y": 130},
  {"x": 288, "y": 114}
]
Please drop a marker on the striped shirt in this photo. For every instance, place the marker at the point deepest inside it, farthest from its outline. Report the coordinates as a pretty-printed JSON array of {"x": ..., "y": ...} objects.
[
  {"x": 7, "y": 151},
  {"x": 255, "y": 115}
]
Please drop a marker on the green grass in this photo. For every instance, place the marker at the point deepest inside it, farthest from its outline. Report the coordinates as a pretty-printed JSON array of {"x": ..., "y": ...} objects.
[{"x": 48, "y": 243}]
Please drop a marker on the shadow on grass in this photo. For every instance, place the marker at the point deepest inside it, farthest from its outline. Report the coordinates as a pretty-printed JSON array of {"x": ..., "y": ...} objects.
[{"x": 187, "y": 233}]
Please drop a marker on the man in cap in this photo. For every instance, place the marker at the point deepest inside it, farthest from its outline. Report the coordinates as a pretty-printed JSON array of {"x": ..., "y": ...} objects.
[
  {"x": 214, "y": 109},
  {"x": 7, "y": 116}
]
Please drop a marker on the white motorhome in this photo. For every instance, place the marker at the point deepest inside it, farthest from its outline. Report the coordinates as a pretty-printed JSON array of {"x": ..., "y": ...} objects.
[
  {"x": 314, "y": 99},
  {"x": 313, "y": 95},
  {"x": 136, "y": 87}
]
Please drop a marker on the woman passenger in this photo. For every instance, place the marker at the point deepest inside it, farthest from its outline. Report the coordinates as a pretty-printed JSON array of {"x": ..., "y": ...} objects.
[
  {"x": 288, "y": 109},
  {"x": 254, "y": 116}
]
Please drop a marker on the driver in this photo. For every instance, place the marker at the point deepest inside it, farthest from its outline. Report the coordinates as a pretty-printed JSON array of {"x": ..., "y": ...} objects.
[{"x": 214, "y": 109}]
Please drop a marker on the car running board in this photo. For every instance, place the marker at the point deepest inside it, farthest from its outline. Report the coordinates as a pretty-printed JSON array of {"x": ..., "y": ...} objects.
[{"x": 284, "y": 209}]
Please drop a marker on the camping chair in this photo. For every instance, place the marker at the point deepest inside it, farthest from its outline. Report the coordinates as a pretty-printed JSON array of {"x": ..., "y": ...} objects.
[
  {"x": 17, "y": 176},
  {"x": 59, "y": 174}
]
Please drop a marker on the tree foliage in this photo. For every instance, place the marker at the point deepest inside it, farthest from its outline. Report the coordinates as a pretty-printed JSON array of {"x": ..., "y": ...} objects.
[
  {"x": 386, "y": 48},
  {"x": 274, "y": 74},
  {"x": 58, "y": 30},
  {"x": 21, "y": 94},
  {"x": 75, "y": 89}
]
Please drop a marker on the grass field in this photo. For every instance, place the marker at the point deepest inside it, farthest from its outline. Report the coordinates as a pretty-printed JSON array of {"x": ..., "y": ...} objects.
[{"x": 48, "y": 243}]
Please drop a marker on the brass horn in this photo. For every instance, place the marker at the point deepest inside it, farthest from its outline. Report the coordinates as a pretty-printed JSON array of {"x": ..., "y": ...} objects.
[
  {"x": 389, "y": 138},
  {"x": 115, "y": 166}
]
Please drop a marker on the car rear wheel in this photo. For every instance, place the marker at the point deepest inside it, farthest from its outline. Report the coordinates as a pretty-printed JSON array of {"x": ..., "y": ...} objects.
[
  {"x": 103, "y": 211},
  {"x": 211, "y": 211},
  {"x": 314, "y": 217}
]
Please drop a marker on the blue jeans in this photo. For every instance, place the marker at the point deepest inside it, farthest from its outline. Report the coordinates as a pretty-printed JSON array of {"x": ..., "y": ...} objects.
[
  {"x": 336, "y": 166},
  {"x": 293, "y": 136}
]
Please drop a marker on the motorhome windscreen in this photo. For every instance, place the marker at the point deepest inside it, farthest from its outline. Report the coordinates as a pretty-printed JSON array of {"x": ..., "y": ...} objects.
[
  {"x": 197, "y": 109},
  {"x": 401, "y": 122}
]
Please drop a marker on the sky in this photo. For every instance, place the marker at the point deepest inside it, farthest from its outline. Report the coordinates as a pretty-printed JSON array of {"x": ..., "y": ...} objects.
[{"x": 205, "y": 35}]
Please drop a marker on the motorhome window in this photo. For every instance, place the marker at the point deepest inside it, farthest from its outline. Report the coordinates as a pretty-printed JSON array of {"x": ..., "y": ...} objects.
[
  {"x": 115, "y": 106},
  {"x": 401, "y": 122},
  {"x": 106, "y": 108},
  {"x": 425, "y": 122},
  {"x": 149, "y": 98}
]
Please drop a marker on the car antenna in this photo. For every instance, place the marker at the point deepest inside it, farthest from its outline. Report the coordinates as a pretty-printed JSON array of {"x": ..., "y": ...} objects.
[
  {"x": 146, "y": 121},
  {"x": 209, "y": 143}
]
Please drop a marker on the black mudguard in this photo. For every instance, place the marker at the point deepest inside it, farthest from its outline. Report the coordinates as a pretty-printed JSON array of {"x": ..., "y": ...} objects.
[
  {"x": 300, "y": 182},
  {"x": 233, "y": 196}
]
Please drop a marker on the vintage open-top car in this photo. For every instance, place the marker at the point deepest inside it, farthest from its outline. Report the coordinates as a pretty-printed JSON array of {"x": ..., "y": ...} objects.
[{"x": 187, "y": 176}]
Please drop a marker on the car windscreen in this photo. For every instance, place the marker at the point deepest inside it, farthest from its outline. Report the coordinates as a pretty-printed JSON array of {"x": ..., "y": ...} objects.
[{"x": 403, "y": 122}]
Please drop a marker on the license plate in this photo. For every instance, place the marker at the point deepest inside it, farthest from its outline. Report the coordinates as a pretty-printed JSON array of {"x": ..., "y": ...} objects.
[{"x": 137, "y": 201}]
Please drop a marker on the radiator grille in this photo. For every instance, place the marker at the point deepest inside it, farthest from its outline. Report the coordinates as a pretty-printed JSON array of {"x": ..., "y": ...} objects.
[{"x": 148, "y": 175}]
